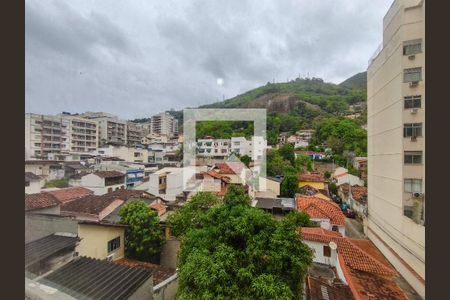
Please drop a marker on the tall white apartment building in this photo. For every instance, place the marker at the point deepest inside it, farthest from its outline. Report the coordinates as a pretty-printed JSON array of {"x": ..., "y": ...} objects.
[
  {"x": 164, "y": 124},
  {"x": 60, "y": 134},
  {"x": 254, "y": 147},
  {"x": 396, "y": 141}
]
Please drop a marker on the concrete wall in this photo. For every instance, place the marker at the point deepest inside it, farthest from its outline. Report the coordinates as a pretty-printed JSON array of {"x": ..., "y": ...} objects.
[
  {"x": 38, "y": 226},
  {"x": 169, "y": 253},
  {"x": 270, "y": 185},
  {"x": 94, "y": 241},
  {"x": 33, "y": 188},
  {"x": 144, "y": 292},
  {"x": 167, "y": 289},
  {"x": 318, "y": 256}
]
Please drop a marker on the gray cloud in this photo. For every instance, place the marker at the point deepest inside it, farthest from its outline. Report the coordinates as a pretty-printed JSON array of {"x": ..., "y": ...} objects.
[{"x": 135, "y": 59}]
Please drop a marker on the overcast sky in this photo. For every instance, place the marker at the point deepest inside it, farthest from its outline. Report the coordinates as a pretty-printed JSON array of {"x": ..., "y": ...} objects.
[{"x": 138, "y": 58}]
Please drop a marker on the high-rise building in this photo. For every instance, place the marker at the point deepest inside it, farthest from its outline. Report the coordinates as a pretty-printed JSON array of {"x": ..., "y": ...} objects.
[
  {"x": 135, "y": 133},
  {"x": 164, "y": 124},
  {"x": 60, "y": 134},
  {"x": 112, "y": 130},
  {"x": 45, "y": 135},
  {"x": 396, "y": 141}
]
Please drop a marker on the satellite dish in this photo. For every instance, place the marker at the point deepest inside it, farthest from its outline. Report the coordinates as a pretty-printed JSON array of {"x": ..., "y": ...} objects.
[{"x": 332, "y": 245}]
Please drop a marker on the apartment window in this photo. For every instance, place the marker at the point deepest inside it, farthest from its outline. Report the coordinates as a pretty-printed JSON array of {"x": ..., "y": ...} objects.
[
  {"x": 413, "y": 74},
  {"x": 413, "y": 101},
  {"x": 412, "y": 47},
  {"x": 413, "y": 157},
  {"x": 114, "y": 244},
  {"x": 412, "y": 130},
  {"x": 413, "y": 185},
  {"x": 326, "y": 251}
]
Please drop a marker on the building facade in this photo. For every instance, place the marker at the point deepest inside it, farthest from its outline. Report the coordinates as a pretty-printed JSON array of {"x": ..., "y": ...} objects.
[
  {"x": 62, "y": 134},
  {"x": 396, "y": 141},
  {"x": 135, "y": 133},
  {"x": 111, "y": 130},
  {"x": 164, "y": 123},
  {"x": 44, "y": 135}
]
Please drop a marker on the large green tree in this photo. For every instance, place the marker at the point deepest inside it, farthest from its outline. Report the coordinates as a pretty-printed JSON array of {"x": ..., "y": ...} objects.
[
  {"x": 143, "y": 236},
  {"x": 240, "y": 252},
  {"x": 289, "y": 185},
  {"x": 276, "y": 165}
]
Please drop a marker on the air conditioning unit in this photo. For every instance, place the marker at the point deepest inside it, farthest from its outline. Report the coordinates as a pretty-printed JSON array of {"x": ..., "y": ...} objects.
[
  {"x": 413, "y": 83},
  {"x": 411, "y": 57},
  {"x": 110, "y": 257},
  {"x": 417, "y": 195},
  {"x": 414, "y": 110}
]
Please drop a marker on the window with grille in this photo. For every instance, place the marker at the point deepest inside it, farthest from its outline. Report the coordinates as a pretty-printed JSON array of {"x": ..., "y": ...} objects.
[
  {"x": 413, "y": 101},
  {"x": 412, "y": 75},
  {"x": 412, "y": 47},
  {"x": 413, "y": 157},
  {"x": 412, "y": 130},
  {"x": 413, "y": 185},
  {"x": 114, "y": 244}
]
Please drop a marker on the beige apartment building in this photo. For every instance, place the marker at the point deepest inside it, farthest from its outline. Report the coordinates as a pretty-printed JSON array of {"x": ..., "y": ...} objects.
[
  {"x": 44, "y": 135},
  {"x": 112, "y": 130},
  {"x": 61, "y": 134},
  {"x": 135, "y": 133},
  {"x": 396, "y": 141},
  {"x": 164, "y": 124}
]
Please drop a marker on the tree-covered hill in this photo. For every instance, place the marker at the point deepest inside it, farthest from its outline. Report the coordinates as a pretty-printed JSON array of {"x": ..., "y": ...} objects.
[{"x": 358, "y": 81}]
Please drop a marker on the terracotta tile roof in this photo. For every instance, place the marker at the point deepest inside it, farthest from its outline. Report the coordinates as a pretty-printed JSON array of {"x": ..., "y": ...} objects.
[
  {"x": 39, "y": 201},
  {"x": 108, "y": 174},
  {"x": 159, "y": 207},
  {"x": 71, "y": 193},
  {"x": 311, "y": 177},
  {"x": 345, "y": 187},
  {"x": 354, "y": 257},
  {"x": 359, "y": 193},
  {"x": 160, "y": 273},
  {"x": 313, "y": 231},
  {"x": 370, "y": 286},
  {"x": 321, "y": 208},
  {"x": 229, "y": 168},
  {"x": 370, "y": 248},
  {"x": 217, "y": 176},
  {"x": 92, "y": 205},
  {"x": 95, "y": 204}
]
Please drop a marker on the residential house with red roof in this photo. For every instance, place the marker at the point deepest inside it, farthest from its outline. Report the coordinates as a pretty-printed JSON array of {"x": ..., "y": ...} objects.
[
  {"x": 314, "y": 179},
  {"x": 327, "y": 214},
  {"x": 42, "y": 203},
  {"x": 355, "y": 196},
  {"x": 71, "y": 193},
  {"x": 355, "y": 264}
]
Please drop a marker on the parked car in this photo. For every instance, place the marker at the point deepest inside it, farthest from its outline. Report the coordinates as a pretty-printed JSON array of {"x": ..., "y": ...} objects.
[{"x": 349, "y": 213}]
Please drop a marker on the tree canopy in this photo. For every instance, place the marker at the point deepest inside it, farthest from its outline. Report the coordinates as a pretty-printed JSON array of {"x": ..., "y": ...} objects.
[
  {"x": 143, "y": 236},
  {"x": 235, "y": 251}
]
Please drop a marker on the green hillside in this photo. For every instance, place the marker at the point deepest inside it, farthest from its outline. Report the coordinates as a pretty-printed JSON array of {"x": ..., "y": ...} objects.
[{"x": 356, "y": 81}]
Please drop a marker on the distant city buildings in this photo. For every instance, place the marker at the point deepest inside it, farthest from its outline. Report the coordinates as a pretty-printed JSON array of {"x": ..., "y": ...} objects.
[
  {"x": 396, "y": 142},
  {"x": 164, "y": 124}
]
